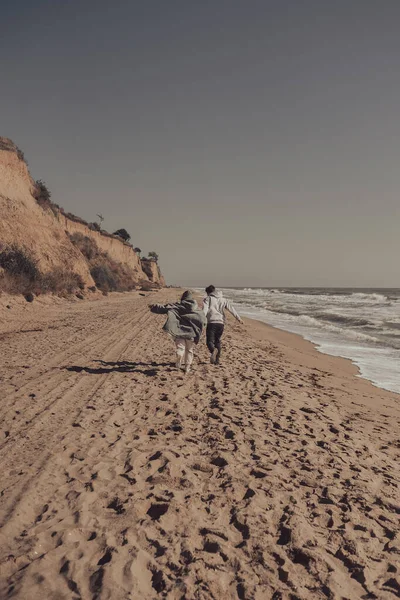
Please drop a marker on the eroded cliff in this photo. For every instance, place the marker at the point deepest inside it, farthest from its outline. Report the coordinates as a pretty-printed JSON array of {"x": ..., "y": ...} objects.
[
  {"x": 152, "y": 270},
  {"x": 46, "y": 234}
]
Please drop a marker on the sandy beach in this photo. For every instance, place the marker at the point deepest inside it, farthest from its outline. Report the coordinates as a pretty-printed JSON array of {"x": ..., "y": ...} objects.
[{"x": 274, "y": 476}]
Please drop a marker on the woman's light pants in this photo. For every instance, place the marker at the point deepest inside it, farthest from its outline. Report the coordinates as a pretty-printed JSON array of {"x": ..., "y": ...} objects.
[{"x": 184, "y": 351}]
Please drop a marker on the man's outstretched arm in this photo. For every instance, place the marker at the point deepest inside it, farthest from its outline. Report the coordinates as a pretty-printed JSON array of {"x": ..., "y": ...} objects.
[{"x": 229, "y": 307}]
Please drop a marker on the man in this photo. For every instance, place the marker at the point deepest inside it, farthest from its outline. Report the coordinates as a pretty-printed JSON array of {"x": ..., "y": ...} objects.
[{"x": 214, "y": 307}]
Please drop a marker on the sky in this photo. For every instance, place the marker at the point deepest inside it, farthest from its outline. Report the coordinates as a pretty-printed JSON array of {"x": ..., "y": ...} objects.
[{"x": 248, "y": 143}]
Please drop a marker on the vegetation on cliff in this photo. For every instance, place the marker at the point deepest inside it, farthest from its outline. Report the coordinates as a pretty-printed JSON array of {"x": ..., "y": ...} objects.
[
  {"x": 108, "y": 275},
  {"x": 20, "y": 274},
  {"x": 123, "y": 234}
]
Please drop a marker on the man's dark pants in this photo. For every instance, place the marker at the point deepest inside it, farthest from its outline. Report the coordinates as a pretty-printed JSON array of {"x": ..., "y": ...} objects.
[{"x": 214, "y": 334}]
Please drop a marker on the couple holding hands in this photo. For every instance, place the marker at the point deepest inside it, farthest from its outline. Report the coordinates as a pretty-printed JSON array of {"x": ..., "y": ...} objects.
[{"x": 185, "y": 322}]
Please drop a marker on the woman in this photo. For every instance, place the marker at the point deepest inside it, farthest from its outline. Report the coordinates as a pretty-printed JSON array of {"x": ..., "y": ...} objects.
[{"x": 185, "y": 323}]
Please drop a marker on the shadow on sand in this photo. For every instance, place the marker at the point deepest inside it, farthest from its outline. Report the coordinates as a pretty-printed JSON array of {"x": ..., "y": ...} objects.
[{"x": 119, "y": 367}]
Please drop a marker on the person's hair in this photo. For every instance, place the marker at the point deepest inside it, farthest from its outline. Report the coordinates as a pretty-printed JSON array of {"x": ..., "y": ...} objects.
[
  {"x": 210, "y": 289},
  {"x": 186, "y": 295}
]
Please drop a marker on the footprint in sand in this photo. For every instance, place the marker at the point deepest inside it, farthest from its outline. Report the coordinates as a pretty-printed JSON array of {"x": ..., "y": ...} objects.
[{"x": 157, "y": 510}]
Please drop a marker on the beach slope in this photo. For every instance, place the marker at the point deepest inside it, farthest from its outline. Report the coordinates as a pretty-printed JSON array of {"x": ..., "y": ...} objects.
[{"x": 272, "y": 476}]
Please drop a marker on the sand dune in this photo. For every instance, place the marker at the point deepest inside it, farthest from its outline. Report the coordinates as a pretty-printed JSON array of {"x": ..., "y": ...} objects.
[{"x": 273, "y": 476}]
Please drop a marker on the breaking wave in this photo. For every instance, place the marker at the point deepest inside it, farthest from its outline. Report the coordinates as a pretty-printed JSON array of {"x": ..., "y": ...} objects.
[{"x": 363, "y": 325}]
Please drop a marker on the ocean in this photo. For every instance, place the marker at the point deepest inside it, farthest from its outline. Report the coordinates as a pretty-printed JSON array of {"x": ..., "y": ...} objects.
[{"x": 360, "y": 324}]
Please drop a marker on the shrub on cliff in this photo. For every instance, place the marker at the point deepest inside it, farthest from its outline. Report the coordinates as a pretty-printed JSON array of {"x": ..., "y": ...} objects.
[
  {"x": 153, "y": 256},
  {"x": 94, "y": 227},
  {"x": 110, "y": 276},
  {"x": 74, "y": 218},
  {"x": 86, "y": 245},
  {"x": 123, "y": 234},
  {"x": 21, "y": 156},
  {"x": 16, "y": 262},
  {"x": 9, "y": 146},
  {"x": 146, "y": 266},
  {"x": 21, "y": 275},
  {"x": 42, "y": 194},
  {"x": 6, "y": 144},
  {"x": 60, "y": 281},
  {"x": 104, "y": 278}
]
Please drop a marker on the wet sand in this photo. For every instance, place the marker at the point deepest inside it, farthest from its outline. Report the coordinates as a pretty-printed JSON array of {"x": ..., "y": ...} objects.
[{"x": 272, "y": 476}]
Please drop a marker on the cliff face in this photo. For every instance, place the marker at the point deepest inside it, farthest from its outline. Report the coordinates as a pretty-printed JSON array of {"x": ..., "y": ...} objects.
[
  {"x": 152, "y": 270},
  {"x": 116, "y": 249},
  {"x": 44, "y": 234},
  {"x": 25, "y": 224}
]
